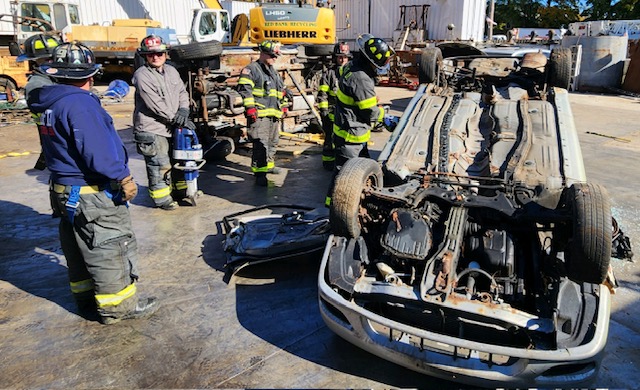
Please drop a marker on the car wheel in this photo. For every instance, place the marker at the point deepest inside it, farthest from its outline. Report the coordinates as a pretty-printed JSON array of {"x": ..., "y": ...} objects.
[
  {"x": 430, "y": 65},
  {"x": 590, "y": 246},
  {"x": 356, "y": 177},
  {"x": 195, "y": 51},
  {"x": 7, "y": 85},
  {"x": 318, "y": 50},
  {"x": 559, "y": 68}
]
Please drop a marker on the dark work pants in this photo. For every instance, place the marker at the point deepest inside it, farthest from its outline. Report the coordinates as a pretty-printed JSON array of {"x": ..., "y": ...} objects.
[
  {"x": 157, "y": 152},
  {"x": 264, "y": 134},
  {"x": 101, "y": 252}
]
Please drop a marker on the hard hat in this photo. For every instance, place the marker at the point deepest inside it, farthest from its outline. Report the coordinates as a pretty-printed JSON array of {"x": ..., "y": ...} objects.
[
  {"x": 342, "y": 50},
  {"x": 270, "y": 47},
  {"x": 38, "y": 46},
  {"x": 71, "y": 61},
  {"x": 152, "y": 44},
  {"x": 375, "y": 50}
]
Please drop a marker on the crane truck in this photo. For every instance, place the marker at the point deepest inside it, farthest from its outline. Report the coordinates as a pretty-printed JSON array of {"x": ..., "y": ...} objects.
[{"x": 211, "y": 63}]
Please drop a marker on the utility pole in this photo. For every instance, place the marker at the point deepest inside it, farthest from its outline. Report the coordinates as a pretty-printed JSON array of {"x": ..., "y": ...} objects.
[{"x": 492, "y": 9}]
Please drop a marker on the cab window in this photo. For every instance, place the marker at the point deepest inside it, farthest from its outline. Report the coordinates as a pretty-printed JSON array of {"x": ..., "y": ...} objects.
[
  {"x": 208, "y": 23},
  {"x": 36, "y": 11},
  {"x": 224, "y": 20},
  {"x": 74, "y": 14},
  {"x": 60, "y": 16}
]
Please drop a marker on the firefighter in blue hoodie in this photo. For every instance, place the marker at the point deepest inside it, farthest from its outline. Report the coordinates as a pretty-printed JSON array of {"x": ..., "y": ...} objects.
[{"x": 90, "y": 187}]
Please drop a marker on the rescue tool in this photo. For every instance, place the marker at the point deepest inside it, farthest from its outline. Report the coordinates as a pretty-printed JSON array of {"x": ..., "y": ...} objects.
[{"x": 187, "y": 152}]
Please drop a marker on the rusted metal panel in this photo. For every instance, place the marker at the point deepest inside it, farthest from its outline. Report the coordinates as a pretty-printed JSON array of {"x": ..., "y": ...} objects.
[{"x": 632, "y": 79}]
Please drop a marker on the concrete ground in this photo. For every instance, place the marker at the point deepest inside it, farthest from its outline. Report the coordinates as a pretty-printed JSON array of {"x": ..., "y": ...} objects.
[{"x": 263, "y": 328}]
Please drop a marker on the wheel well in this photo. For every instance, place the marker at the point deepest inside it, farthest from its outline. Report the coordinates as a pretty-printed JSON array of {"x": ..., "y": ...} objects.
[{"x": 8, "y": 78}]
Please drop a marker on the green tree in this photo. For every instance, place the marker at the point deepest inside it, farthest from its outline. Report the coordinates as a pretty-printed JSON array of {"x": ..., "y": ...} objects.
[
  {"x": 517, "y": 13},
  {"x": 558, "y": 16},
  {"x": 626, "y": 9},
  {"x": 598, "y": 10}
]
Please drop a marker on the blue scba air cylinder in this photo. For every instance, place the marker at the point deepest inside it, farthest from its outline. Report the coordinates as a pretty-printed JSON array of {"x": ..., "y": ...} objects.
[{"x": 187, "y": 151}]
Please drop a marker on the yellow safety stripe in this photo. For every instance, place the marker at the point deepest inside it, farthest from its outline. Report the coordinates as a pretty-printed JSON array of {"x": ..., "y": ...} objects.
[
  {"x": 355, "y": 139},
  {"x": 180, "y": 185},
  {"x": 362, "y": 104},
  {"x": 323, "y": 105},
  {"x": 161, "y": 193},
  {"x": 273, "y": 93},
  {"x": 327, "y": 201},
  {"x": 323, "y": 88},
  {"x": 332, "y": 93},
  {"x": 332, "y": 117},
  {"x": 367, "y": 103},
  {"x": 117, "y": 298},
  {"x": 270, "y": 112},
  {"x": 271, "y": 165},
  {"x": 346, "y": 99},
  {"x": 259, "y": 169},
  {"x": 380, "y": 116},
  {"x": 81, "y": 286},
  {"x": 248, "y": 101},
  {"x": 246, "y": 81},
  {"x": 328, "y": 158},
  {"x": 84, "y": 190},
  {"x": 258, "y": 92}
]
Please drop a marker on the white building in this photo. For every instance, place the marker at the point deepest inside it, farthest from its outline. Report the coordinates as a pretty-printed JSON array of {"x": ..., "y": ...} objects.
[{"x": 466, "y": 18}]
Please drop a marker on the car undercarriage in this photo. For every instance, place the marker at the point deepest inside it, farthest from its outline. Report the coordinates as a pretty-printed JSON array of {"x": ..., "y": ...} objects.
[{"x": 475, "y": 249}]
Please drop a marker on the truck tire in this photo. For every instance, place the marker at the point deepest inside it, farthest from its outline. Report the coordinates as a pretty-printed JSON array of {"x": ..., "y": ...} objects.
[
  {"x": 6, "y": 85},
  {"x": 356, "y": 177},
  {"x": 559, "y": 68},
  {"x": 430, "y": 65},
  {"x": 318, "y": 50},
  {"x": 589, "y": 252},
  {"x": 195, "y": 51},
  {"x": 219, "y": 149}
]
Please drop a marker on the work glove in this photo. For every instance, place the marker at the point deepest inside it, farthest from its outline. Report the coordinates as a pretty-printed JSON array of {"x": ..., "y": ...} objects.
[
  {"x": 190, "y": 125},
  {"x": 285, "y": 111},
  {"x": 252, "y": 115},
  {"x": 182, "y": 118},
  {"x": 129, "y": 188}
]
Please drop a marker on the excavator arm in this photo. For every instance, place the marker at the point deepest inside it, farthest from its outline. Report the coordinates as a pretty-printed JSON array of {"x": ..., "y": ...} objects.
[{"x": 214, "y": 4}]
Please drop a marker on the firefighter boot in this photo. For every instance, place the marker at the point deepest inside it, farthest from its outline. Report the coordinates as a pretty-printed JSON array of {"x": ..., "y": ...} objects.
[
  {"x": 144, "y": 308},
  {"x": 261, "y": 179}
]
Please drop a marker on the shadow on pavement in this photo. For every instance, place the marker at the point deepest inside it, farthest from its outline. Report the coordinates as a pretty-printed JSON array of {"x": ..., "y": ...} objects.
[{"x": 31, "y": 245}]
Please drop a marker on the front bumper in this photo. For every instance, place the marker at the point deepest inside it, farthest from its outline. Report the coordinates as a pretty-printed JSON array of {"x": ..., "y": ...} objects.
[{"x": 457, "y": 359}]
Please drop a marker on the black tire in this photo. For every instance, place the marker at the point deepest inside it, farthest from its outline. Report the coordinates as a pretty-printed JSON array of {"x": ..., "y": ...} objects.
[
  {"x": 318, "y": 50},
  {"x": 7, "y": 85},
  {"x": 138, "y": 61},
  {"x": 356, "y": 177},
  {"x": 430, "y": 65},
  {"x": 589, "y": 252},
  {"x": 196, "y": 51},
  {"x": 559, "y": 68},
  {"x": 219, "y": 149}
]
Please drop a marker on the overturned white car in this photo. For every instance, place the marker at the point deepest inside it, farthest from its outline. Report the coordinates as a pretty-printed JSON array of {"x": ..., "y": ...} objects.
[{"x": 475, "y": 249}]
